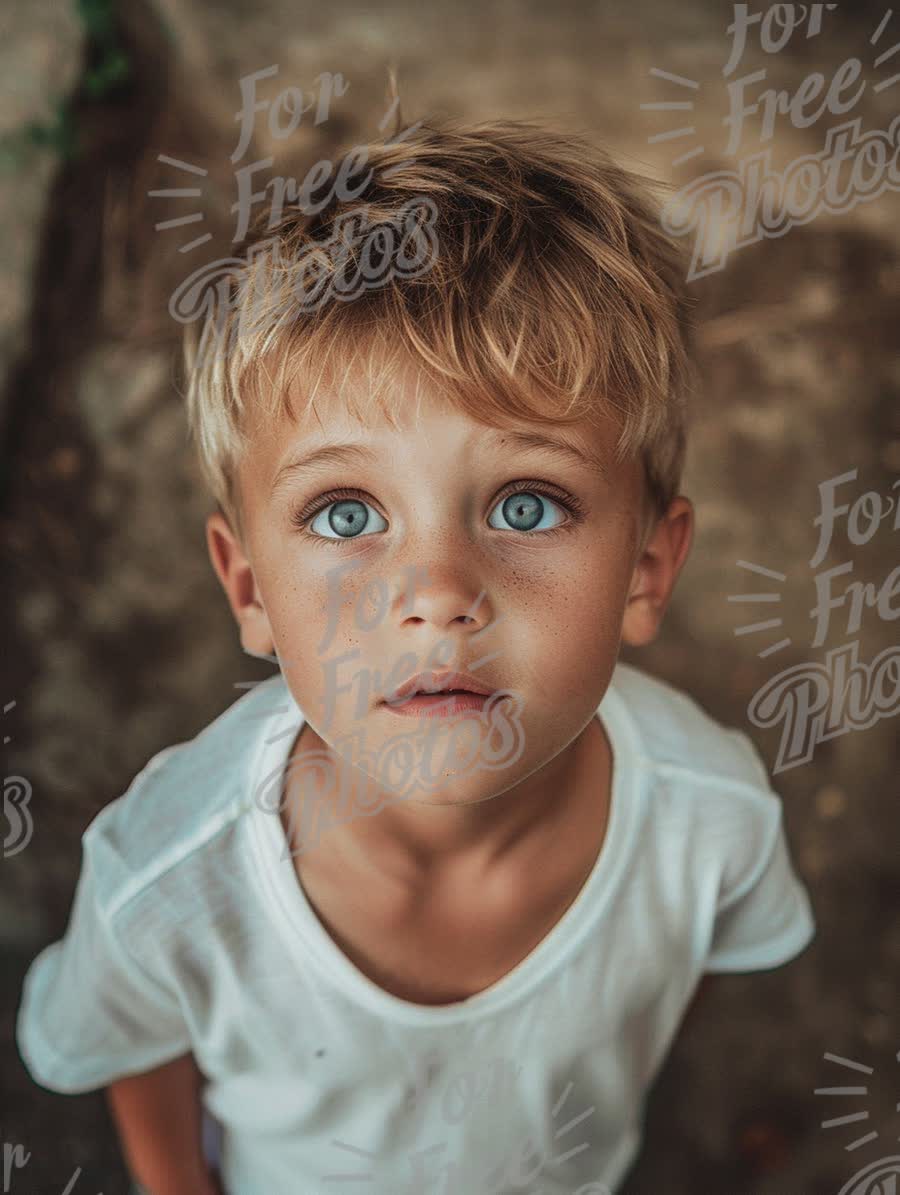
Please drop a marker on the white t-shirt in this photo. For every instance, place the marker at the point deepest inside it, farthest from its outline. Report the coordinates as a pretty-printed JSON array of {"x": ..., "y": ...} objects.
[{"x": 190, "y": 931}]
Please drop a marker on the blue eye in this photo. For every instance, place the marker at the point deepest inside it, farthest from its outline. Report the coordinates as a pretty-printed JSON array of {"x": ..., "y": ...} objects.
[
  {"x": 524, "y": 506},
  {"x": 526, "y": 511},
  {"x": 348, "y": 519}
]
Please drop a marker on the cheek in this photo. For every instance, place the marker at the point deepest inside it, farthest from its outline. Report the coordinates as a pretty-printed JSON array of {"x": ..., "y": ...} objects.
[
  {"x": 294, "y": 605},
  {"x": 577, "y": 639},
  {"x": 326, "y": 623},
  {"x": 565, "y": 617}
]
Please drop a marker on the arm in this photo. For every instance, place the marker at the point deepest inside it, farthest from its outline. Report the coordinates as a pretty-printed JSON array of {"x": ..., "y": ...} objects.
[{"x": 158, "y": 1118}]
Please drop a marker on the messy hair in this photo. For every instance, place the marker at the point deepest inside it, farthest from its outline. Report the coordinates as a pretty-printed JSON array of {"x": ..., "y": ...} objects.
[{"x": 554, "y": 296}]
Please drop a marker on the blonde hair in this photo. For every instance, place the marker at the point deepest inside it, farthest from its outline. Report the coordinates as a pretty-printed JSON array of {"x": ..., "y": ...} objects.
[{"x": 553, "y": 296}]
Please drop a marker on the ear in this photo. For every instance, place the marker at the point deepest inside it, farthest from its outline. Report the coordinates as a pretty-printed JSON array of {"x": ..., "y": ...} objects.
[
  {"x": 236, "y": 575},
  {"x": 656, "y": 572}
]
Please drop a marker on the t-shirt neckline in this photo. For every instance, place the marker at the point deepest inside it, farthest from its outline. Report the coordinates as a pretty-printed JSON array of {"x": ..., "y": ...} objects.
[{"x": 309, "y": 942}]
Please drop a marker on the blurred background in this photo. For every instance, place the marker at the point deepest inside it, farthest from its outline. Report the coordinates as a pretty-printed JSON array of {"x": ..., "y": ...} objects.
[{"x": 120, "y": 641}]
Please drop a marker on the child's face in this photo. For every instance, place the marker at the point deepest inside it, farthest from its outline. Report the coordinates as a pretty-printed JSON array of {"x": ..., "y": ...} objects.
[{"x": 441, "y": 560}]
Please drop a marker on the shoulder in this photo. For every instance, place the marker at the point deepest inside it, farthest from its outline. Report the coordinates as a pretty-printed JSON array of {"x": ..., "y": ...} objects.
[
  {"x": 676, "y": 735},
  {"x": 714, "y": 844},
  {"x": 181, "y": 804},
  {"x": 707, "y": 784}
]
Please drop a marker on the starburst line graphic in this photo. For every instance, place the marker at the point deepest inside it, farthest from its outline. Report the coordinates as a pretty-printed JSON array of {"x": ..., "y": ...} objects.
[
  {"x": 852, "y": 1117},
  {"x": 360, "y": 1153},
  {"x": 687, "y": 105},
  {"x": 196, "y": 192},
  {"x": 882, "y": 58},
  {"x": 566, "y": 1128},
  {"x": 559, "y": 1132},
  {"x": 179, "y": 193},
  {"x": 675, "y": 105},
  {"x": 767, "y": 624}
]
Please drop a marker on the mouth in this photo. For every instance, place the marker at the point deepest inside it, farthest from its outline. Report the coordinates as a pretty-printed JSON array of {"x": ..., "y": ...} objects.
[{"x": 436, "y": 694}]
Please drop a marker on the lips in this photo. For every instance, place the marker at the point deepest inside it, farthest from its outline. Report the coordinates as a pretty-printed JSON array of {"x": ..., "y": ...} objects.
[{"x": 438, "y": 682}]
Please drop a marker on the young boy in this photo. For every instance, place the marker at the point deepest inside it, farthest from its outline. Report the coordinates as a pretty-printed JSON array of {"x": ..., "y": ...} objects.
[{"x": 442, "y": 942}]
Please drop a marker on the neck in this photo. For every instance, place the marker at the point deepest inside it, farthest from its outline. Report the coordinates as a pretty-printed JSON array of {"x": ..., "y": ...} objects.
[{"x": 416, "y": 843}]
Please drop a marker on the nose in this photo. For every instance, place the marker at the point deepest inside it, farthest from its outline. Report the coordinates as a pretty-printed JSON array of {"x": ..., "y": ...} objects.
[{"x": 445, "y": 600}]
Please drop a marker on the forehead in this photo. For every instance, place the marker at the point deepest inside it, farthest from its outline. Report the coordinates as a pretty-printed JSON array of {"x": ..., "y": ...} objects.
[{"x": 410, "y": 419}]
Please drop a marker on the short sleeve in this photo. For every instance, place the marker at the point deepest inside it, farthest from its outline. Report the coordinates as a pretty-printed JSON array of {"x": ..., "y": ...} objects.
[
  {"x": 765, "y": 919},
  {"x": 89, "y": 1012}
]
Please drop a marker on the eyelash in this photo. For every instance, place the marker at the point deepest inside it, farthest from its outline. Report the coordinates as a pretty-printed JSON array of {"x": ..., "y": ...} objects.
[{"x": 301, "y": 519}]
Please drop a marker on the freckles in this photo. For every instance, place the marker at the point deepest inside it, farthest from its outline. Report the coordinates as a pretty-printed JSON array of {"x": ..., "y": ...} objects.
[
  {"x": 587, "y": 608},
  {"x": 542, "y": 601}
]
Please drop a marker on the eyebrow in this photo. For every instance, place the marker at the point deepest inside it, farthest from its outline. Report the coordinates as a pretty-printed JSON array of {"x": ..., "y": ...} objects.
[
  {"x": 561, "y": 449},
  {"x": 353, "y": 453}
]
